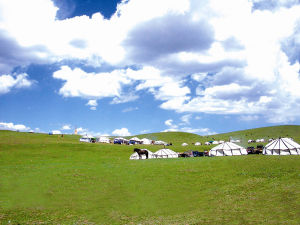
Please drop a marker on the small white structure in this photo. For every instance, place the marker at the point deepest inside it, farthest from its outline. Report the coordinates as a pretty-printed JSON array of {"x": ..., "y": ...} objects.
[
  {"x": 165, "y": 153},
  {"x": 207, "y": 143},
  {"x": 135, "y": 156},
  {"x": 184, "y": 144},
  {"x": 86, "y": 138},
  {"x": 146, "y": 141},
  {"x": 271, "y": 139},
  {"x": 103, "y": 139},
  {"x": 250, "y": 141},
  {"x": 282, "y": 146},
  {"x": 160, "y": 143},
  {"x": 235, "y": 141},
  {"x": 215, "y": 142},
  {"x": 227, "y": 149},
  {"x": 221, "y": 142},
  {"x": 198, "y": 143},
  {"x": 135, "y": 140}
]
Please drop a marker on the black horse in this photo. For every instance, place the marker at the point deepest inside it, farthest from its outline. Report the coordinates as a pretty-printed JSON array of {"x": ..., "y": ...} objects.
[{"x": 141, "y": 152}]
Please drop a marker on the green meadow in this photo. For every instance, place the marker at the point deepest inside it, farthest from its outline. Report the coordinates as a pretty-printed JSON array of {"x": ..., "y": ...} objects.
[{"x": 58, "y": 180}]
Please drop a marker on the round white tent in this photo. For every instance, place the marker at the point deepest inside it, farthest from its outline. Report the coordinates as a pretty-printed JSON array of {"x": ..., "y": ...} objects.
[
  {"x": 227, "y": 149},
  {"x": 198, "y": 143},
  {"x": 104, "y": 139},
  {"x": 282, "y": 146},
  {"x": 184, "y": 144},
  {"x": 146, "y": 141},
  {"x": 165, "y": 153},
  {"x": 135, "y": 156}
]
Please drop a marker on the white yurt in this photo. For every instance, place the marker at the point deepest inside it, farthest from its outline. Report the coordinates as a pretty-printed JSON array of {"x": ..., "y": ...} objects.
[
  {"x": 184, "y": 144},
  {"x": 215, "y": 142},
  {"x": 165, "y": 153},
  {"x": 282, "y": 146},
  {"x": 197, "y": 143},
  {"x": 227, "y": 149},
  {"x": 221, "y": 142},
  {"x": 207, "y": 143},
  {"x": 146, "y": 141},
  {"x": 160, "y": 143},
  {"x": 103, "y": 139},
  {"x": 135, "y": 156},
  {"x": 86, "y": 138}
]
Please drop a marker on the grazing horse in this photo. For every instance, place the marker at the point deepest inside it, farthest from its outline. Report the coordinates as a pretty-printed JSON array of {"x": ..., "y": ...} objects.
[{"x": 141, "y": 152}]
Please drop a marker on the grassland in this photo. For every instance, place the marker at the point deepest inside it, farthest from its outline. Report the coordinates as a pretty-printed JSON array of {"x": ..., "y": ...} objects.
[{"x": 53, "y": 180}]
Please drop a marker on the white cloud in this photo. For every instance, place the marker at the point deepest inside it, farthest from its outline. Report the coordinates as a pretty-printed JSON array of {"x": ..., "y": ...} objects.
[
  {"x": 93, "y": 104},
  {"x": 90, "y": 85},
  {"x": 201, "y": 131},
  {"x": 129, "y": 109},
  {"x": 121, "y": 132},
  {"x": 12, "y": 126},
  {"x": 245, "y": 36},
  {"x": 249, "y": 117},
  {"x": 8, "y": 82},
  {"x": 169, "y": 122},
  {"x": 124, "y": 98},
  {"x": 186, "y": 118},
  {"x": 66, "y": 127}
]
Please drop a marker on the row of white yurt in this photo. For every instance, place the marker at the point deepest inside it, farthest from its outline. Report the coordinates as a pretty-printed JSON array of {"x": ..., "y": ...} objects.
[{"x": 280, "y": 146}]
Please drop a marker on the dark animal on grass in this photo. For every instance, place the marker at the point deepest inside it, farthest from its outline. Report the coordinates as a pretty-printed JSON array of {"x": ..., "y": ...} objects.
[{"x": 141, "y": 152}]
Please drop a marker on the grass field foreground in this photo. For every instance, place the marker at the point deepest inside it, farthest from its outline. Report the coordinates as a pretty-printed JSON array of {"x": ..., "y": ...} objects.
[{"x": 53, "y": 180}]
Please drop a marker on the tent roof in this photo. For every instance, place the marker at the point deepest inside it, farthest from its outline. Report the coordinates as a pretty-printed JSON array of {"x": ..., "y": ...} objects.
[
  {"x": 227, "y": 146},
  {"x": 135, "y": 139},
  {"x": 283, "y": 144},
  {"x": 145, "y": 139},
  {"x": 165, "y": 151},
  {"x": 87, "y": 136}
]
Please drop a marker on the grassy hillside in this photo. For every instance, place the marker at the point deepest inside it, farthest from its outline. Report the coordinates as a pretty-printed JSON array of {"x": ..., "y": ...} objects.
[{"x": 53, "y": 180}]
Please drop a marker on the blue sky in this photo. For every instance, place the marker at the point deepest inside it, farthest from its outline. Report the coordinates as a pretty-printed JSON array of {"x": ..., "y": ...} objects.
[{"x": 139, "y": 66}]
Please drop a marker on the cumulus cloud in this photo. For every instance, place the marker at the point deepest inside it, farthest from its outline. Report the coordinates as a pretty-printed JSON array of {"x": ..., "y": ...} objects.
[
  {"x": 15, "y": 81},
  {"x": 12, "y": 126},
  {"x": 129, "y": 109},
  {"x": 121, "y": 132},
  {"x": 66, "y": 127},
  {"x": 78, "y": 83},
  {"x": 179, "y": 32},
  {"x": 249, "y": 117},
  {"x": 186, "y": 118},
  {"x": 93, "y": 104}
]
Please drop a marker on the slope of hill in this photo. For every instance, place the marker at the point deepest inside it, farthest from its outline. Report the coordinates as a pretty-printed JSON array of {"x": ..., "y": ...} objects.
[{"x": 174, "y": 137}]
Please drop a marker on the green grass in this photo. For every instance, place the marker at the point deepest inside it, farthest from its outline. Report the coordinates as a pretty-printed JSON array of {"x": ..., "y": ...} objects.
[{"x": 52, "y": 180}]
